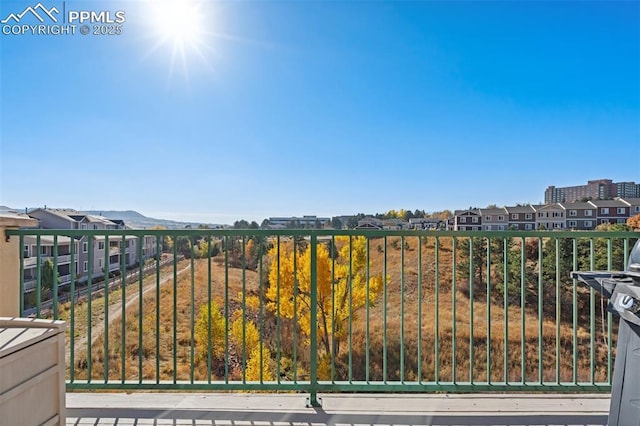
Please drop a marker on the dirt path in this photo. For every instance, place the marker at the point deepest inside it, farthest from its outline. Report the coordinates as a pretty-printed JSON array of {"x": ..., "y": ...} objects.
[{"x": 115, "y": 312}]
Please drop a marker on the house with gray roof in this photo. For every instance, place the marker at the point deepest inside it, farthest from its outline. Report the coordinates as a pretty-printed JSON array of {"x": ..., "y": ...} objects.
[
  {"x": 467, "y": 220},
  {"x": 522, "y": 218},
  {"x": 494, "y": 219},
  {"x": 580, "y": 216},
  {"x": 93, "y": 253},
  {"x": 611, "y": 211},
  {"x": 551, "y": 217}
]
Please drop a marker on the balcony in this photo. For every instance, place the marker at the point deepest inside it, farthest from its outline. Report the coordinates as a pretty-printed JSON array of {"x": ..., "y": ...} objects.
[
  {"x": 331, "y": 312},
  {"x": 30, "y": 262},
  {"x": 337, "y": 409}
]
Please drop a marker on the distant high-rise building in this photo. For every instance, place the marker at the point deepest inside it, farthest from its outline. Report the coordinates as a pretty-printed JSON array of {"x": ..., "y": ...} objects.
[
  {"x": 602, "y": 189},
  {"x": 627, "y": 190}
]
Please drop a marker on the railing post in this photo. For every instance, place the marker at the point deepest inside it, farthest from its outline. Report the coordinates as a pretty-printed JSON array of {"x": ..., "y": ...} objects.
[
  {"x": 10, "y": 262},
  {"x": 313, "y": 347}
]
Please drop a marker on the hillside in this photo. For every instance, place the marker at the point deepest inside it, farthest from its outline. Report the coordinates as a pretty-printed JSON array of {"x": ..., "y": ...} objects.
[
  {"x": 138, "y": 220},
  {"x": 466, "y": 330}
]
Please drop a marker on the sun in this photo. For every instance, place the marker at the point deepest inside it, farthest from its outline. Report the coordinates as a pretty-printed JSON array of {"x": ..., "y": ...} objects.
[
  {"x": 178, "y": 21},
  {"x": 181, "y": 26}
]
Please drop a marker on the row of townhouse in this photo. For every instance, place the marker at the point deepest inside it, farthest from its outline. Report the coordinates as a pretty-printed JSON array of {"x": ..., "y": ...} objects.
[
  {"x": 398, "y": 224},
  {"x": 90, "y": 253},
  {"x": 576, "y": 216}
]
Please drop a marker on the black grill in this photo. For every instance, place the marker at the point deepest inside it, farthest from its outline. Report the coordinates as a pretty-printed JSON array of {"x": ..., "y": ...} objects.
[{"x": 622, "y": 288}]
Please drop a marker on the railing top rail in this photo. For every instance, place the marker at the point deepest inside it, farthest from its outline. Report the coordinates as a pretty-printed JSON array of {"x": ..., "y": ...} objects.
[{"x": 318, "y": 233}]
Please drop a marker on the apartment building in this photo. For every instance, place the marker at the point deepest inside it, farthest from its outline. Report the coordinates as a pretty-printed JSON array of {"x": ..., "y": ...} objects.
[
  {"x": 467, "y": 220},
  {"x": 634, "y": 205},
  {"x": 611, "y": 211},
  {"x": 91, "y": 253},
  {"x": 550, "y": 217},
  {"x": 304, "y": 221},
  {"x": 580, "y": 215},
  {"x": 494, "y": 219},
  {"x": 602, "y": 189},
  {"x": 37, "y": 250},
  {"x": 521, "y": 218}
]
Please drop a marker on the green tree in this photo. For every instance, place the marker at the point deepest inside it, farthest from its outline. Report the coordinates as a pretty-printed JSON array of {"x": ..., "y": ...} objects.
[
  {"x": 609, "y": 252},
  {"x": 472, "y": 260},
  {"x": 48, "y": 276}
]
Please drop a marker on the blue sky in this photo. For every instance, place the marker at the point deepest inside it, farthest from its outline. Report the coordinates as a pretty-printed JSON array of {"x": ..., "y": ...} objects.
[{"x": 287, "y": 108}]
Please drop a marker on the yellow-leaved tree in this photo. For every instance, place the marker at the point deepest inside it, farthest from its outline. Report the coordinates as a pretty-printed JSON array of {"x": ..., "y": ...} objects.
[
  {"x": 237, "y": 339},
  {"x": 342, "y": 288}
]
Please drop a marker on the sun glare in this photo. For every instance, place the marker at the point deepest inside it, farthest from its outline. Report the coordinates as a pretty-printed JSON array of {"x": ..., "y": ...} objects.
[
  {"x": 178, "y": 21},
  {"x": 181, "y": 26}
]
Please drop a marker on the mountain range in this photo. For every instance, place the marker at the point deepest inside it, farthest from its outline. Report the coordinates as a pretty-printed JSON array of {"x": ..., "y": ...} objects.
[{"x": 132, "y": 218}]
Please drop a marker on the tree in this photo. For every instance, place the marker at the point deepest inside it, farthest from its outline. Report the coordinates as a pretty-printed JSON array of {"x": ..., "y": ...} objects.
[
  {"x": 613, "y": 261},
  {"x": 167, "y": 241},
  {"x": 342, "y": 288},
  {"x": 634, "y": 222},
  {"x": 183, "y": 246},
  {"x": 204, "y": 249},
  {"x": 237, "y": 339},
  {"x": 444, "y": 215},
  {"x": 472, "y": 259},
  {"x": 241, "y": 224},
  {"x": 336, "y": 223},
  {"x": 352, "y": 223},
  {"x": 47, "y": 275}
]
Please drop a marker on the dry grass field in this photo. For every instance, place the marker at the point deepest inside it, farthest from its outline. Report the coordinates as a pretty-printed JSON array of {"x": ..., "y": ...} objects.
[{"x": 416, "y": 320}]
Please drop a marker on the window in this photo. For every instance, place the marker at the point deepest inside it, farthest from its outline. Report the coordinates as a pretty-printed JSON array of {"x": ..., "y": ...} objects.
[
  {"x": 605, "y": 221},
  {"x": 528, "y": 226},
  {"x": 502, "y": 227},
  {"x": 573, "y": 224},
  {"x": 604, "y": 210},
  {"x": 85, "y": 247},
  {"x": 474, "y": 219},
  {"x": 95, "y": 226},
  {"x": 588, "y": 224},
  {"x": 528, "y": 216},
  {"x": 488, "y": 227},
  {"x": 99, "y": 263},
  {"x": 573, "y": 212},
  {"x": 83, "y": 226},
  {"x": 463, "y": 220},
  {"x": 514, "y": 216},
  {"x": 637, "y": 209},
  {"x": 26, "y": 251},
  {"x": 487, "y": 218},
  {"x": 85, "y": 265},
  {"x": 100, "y": 245},
  {"x": 43, "y": 250},
  {"x": 500, "y": 218},
  {"x": 588, "y": 212},
  {"x": 557, "y": 214},
  {"x": 622, "y": 221},
  {"x": 621, "y": 210},
  {"x": 557, "y": 225}
]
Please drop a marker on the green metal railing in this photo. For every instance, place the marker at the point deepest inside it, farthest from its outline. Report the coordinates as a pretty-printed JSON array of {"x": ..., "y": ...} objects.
[{"x": 323, "y": 310}]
